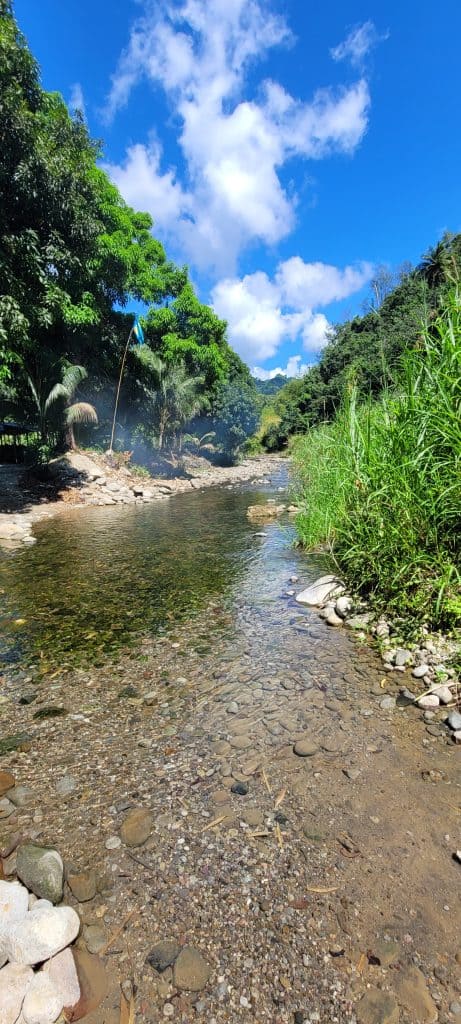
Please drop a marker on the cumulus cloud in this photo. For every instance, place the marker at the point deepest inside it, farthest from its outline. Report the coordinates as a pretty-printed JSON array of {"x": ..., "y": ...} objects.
[
  {"x": 294, "y": 368},
  {"x": 77, "y": 100},
  {"x": 263, "y": 314},
  {"x": 358, "y": 44},
  {"x": 228, "y": 192}
]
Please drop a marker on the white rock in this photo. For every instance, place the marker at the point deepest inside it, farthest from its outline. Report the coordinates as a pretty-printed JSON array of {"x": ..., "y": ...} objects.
[
  {"x": 14, "y": 982},
  {"x": 319, "y": 592},
  {"x": 63, "y": 973},
  {"x": 43, "y": 933},
  {"x": 429, "y": 701},
  {"x": 456, "y": 736},
  {"x": 14, "y": 903},
  {"x": 343, "y": 606},
  {"x": 43, "y": 1002},
  {"x": 420, "y": 671},
  {"x": 443, "y": 693}
]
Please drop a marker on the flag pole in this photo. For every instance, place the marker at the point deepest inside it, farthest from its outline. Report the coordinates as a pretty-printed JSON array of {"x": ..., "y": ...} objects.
[{"x": 122, "y": 367}]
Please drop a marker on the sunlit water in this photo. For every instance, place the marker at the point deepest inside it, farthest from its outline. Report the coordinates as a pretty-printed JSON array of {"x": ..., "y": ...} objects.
[{"x": 97, "y": 581}]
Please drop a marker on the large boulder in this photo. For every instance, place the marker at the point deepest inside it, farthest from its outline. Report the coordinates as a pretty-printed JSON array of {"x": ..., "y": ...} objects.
[{"x": 318, "y": 593}]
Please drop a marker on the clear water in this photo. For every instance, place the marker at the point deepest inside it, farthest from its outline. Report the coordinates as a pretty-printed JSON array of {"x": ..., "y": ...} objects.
[{"x": 99, "y": 580}]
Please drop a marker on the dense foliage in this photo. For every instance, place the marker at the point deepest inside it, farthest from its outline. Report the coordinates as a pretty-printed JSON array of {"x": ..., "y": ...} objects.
[
  {"x": 73, "y": 256},
  {"x": 368, "y": 348}
]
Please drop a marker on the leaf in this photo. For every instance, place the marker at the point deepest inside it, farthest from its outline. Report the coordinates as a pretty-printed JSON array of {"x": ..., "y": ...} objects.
[{"x": 280, "y": 798}]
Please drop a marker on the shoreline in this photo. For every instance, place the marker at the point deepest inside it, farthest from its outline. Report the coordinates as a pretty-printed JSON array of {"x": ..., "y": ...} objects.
[{"x": 83, "y": 482}]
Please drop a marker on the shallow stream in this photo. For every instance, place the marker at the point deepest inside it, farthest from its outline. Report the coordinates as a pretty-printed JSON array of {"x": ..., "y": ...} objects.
[{"x": 98, "y": 581}]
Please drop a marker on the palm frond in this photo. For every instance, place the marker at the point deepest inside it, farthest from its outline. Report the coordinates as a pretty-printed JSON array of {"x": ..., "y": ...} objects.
[
  {"x": 58, "y": 391},
  {"x": 72, "y": 376},
  {"x": 34, "y": 392},
  {"x": 81, "y": 412}
]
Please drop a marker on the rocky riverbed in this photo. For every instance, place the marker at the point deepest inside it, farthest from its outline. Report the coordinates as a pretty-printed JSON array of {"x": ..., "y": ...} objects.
[{"x": 274, "y": 846}]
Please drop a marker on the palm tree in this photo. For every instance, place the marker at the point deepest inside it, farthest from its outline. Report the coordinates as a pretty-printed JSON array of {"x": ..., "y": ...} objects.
[
  {"x": 176, "y": 397},
  {"x": 438, "y": 264},
  {"x": 63, "y": 391}
]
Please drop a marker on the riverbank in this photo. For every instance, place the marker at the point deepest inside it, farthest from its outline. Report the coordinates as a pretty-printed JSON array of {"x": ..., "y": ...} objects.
[
  {"x": 235, "y": 786},
  {"x": 81, "y": 481}
]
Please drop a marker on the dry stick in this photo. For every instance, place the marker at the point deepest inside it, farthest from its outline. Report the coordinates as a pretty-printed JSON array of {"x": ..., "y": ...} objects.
[
  {"x": 266, "y": 781},
  {"x": 118, "y": 931}
]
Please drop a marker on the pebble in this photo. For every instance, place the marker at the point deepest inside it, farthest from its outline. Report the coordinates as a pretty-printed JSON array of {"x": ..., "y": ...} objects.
[
  {"x": 6, "y": 808},
  {"x": 455, "y": 1009},
  {"x": 377, "y": 1007},
  {"x": 113, "y": 843},
  {"x": 95, "y": 937},
  {"x": 83, "y": 886},
  {"x": 402, "y": 656},
  {"x": 351, "y": 773},
  {"x": 420, "y": 671},
  {"x": 387, "y": 703},
  {"x": 20, "y": 796},
  {"x": 232, "y": 708},
  {"x": 14, "y": 982},
  {"x": 430, "y": 700},
  {"x": 168, "y": 1010},
  {"x": 191, "y": 971},
  {"x": 42, "y": 871},
  {"x": 7, "y": 781},
  {"x": 454, "y": 720},
  {"x": 343, "y": 606},
  {"x": 333, "y": 619},
  {"x": 305, "y": 748},
  {"x": 137, "y": 827},
  {"x": 456, "y": 736},
  {"x": 65, "y": 786},
  {"x": 163, "y": 954},
  {"x": 240, "y": 788},
  {"x": 42, "y": 933},
  {"x": 240, "y": 742},
  {"x": 443, "y": 693},
  {"x": 43, "y": 1001}
]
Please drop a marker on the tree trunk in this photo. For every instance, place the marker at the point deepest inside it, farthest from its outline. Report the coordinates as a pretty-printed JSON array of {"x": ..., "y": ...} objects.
[{"x": 70, "y": 437}]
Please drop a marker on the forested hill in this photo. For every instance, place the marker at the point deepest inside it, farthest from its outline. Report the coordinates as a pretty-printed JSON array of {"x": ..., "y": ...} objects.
[
  {"x": 368, "y": 349},
  {"x": 74, "y": 256},
  {"x": 267, "y": 388}
]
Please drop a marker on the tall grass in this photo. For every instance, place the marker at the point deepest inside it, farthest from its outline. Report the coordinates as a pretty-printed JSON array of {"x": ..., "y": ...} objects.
[{"x": 382, "y": 484}]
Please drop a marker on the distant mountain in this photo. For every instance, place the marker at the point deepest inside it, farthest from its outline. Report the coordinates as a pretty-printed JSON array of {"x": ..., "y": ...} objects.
[{"x": 268, "y": 388}]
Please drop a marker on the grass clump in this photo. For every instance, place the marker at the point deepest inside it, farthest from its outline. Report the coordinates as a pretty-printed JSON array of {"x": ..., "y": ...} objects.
[{"x": 381, "y": 485}]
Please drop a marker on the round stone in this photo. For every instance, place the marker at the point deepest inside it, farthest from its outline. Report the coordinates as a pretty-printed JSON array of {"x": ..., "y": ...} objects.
[
  {"x": 43, "y": 1002},
  {"x": 163, "y": 954},
  {"x": 305, "y": 748},
  {"x": 41, "y": 870},
  {"x": 137, "y": 827},
  {"x": 191, "y": 971}
]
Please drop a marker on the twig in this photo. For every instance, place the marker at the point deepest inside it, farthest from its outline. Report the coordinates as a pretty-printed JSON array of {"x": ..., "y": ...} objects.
[{"x": 118, "y": 931}]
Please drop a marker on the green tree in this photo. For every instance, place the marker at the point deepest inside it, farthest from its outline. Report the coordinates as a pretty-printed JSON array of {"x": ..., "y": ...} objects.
[
  {"x": 236, "y": 416},
  {"x": 54, "y": 404}
]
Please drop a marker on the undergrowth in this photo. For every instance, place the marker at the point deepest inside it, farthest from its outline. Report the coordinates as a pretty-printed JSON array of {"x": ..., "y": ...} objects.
[{"x": 381, "y": 485}]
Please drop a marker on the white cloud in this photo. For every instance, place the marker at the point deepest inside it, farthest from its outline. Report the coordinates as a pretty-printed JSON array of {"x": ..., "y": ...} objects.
[
  {"x": 359, "y": 42},
  {"x": 294, "y": 368},
  {"x": 263, "y": 314},
  {"x": 228, "y": 192},
  {"x": 77, "y": 100}
]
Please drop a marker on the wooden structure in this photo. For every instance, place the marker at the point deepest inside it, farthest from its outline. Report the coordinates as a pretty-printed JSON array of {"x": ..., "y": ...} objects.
[{"x": 14, "y": 439}]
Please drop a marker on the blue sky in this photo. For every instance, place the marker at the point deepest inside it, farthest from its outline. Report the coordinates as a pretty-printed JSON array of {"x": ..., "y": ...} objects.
[{"x": 284, "y": 150}]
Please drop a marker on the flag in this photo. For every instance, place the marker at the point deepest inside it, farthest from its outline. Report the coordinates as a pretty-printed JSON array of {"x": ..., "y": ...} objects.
[{"x": 138, "y": 331}]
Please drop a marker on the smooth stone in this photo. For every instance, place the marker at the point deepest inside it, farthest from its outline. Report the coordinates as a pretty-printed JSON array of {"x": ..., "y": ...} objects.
[
  {"x": 333, "y": 619},
  {"x": 14, "y": 904},
  {"x": 191, "y": 971},
  {"x": 232, "y": 708},
  {"x": 163, "y": 954},
  {"x": 377, "y": 1007},
  {"x": 7, "y": 781},
  {"x": 20, "y": 796},
  {"x": 6, "y": 807},
  {"x": 63, "y": 973},
  {"x": 137, "y": 827},
  {"x": 14, "y": 983},
  {"x": 41, "y": 869},
  {"x": 456, "y": 736},
  {"x": 319, "y": 592},
  {"x": 240, "y": 742},
  {"x": 444, "y": 694},
  {"x": 95, "y": 938},
  {"x": 113, "y": 843},
  {"x": 240, "y": 788},
  {"x": 43, "y": 1002},
  {"x": 92, "y": 980},
  {"x": 305, "y": 748},
  {"x": 412, "y": 992},
  {"x": 420, "y": 671},
  {"x": 83, "y": 886},
  {"x": 65, "y": 786},
  {"x": 42, "y": 933},
  {"x": 252, "y": 816},
  {"x": 343, "y": 606},
  {"x": 402, "y": 656},
  {"x": 454, "y": 720},
  {"x": 351, "y": 773},
  {"x": 387, "y": 704},
  {"x": 429, "y": 701}
]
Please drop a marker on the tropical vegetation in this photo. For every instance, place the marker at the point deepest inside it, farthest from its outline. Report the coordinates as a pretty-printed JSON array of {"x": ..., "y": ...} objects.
[{"x": 74, "y": 259}]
